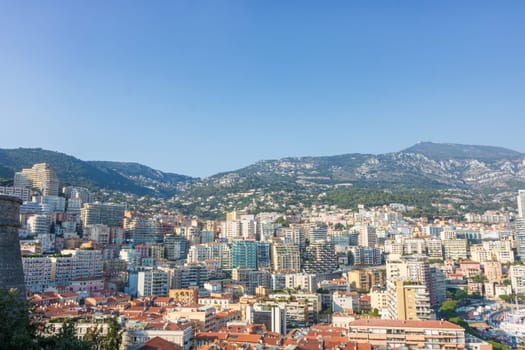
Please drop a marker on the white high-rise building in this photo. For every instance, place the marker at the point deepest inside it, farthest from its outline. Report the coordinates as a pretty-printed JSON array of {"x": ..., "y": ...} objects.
[
  {"x": 295, "y": 234},
  {"x": 231, "y": 230},
  {"x": 143, "y": 230},
  {"x": 103, "y": 213},
  {"x": 154, "y": 283},
  {"x": 279, "y": 319},
  {"x": 521, "y": 204},
  {"x": 520, "y": 225},
  {"x": 38, "y": 224},
  {"x": 517, "y": 279}
]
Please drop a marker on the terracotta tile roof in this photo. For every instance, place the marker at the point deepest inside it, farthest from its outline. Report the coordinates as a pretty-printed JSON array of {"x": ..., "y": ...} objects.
[
  {"x": 68, "y": 294},
  {"x": 211, "y": 335},
  {"x": 243, "y": 338},
  {"x": 158, "y": 343}
]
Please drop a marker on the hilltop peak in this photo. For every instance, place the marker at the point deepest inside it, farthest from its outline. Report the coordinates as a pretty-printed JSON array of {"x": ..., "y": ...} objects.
[{"x": 442, "y": 151}]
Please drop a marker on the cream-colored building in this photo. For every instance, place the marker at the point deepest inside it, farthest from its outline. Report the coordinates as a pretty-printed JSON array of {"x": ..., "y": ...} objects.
[
  {"x": 492, "y": 271},
  {"x": 408, "y": 301},
  {"x": 184, "y": 296},
  {"x": 204, "y": 316},
  {"x": 455, "y": 249},
  {"x": 395, "y": 334},
  {"x": 41, "y": 177},
  {"x": 285, "y": 257}
]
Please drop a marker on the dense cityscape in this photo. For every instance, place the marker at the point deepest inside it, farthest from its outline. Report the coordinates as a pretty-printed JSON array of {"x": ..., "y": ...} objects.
[
  {"x": 262, "y": 175},
  {"x": 321, "y": 278}
]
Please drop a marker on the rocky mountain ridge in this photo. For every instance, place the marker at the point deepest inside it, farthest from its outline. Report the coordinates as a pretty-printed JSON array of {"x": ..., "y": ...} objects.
[{"x": 425, "y": 165}]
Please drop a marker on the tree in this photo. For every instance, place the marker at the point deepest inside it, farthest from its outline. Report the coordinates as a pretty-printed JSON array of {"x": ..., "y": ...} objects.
[
  {"x": 479, "y": 278},
  {"x": 20, "y": 331},
  {"x": 282, "y": 221},
  {"x": 65, "y": 339},
  {"x": 375, "y": 313},
  {"x": 448, "y": 309},
  {"x": 15, "y": 329},
  {"x": 339, "y": 227},
  {"x": 460, "y": 295},
  {"x": 113, "y": 339},
  {"x": 95, "y": 337}
]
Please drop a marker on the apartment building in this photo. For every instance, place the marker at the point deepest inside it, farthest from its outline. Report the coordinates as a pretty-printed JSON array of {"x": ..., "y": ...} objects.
[{"x": 397, "y": 334}]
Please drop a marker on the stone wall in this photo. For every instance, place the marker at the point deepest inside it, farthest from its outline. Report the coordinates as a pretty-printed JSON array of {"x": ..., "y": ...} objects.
[{"x": 11, "y": 271}]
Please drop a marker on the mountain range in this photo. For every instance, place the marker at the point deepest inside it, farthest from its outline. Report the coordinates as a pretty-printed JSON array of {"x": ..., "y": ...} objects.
[{"x": 425, "y": 165}]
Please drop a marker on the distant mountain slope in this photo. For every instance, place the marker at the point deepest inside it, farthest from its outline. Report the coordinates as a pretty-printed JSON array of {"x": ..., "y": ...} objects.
[
  {"x": 446, "y": 151},
  {"x": 73, "y": 171},
  {"x": 147, "y": 177},
  {"x": 425, "y": 165}
]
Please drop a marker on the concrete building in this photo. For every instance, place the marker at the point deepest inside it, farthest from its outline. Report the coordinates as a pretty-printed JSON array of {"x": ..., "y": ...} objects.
[
  {"x": 231, "y": 230},
  {"x": 38, "y": 224},
  {"x": 455, "y": 249},
  {"x": 79, "y": 265},
  {"x": 252, "y": 279},
  {"x": 109, "y": 214},
  {"x": 185, "y": 296},
  {"x": 410, "y": 334},
  {"x": 408, "y": 301},
  {"x": 295, "y": 234},
  {"x": 320, "y": 257},
  {"x": 179, "y": 332},
  {"x": 365, "y": 279},
  {"x": 285, "y": 258},
  {"x": 367, "y": 235},
  {"x": 264, "y": 260},
  {"x": 302, "y": 281},
  {"x": 434, "y": 248},
  {"x": 365, "y": 256},
  {"x": 81, "y": 193},
  {"x": 244, "y": 254},
  {"x": 203, "y": 316},
  {"x": 317, "y": 233},
  {"x": 20, "y": 192},
  {"x": 37, "y": 273},
  {"x": 517, "y": 278},
  {"x": 41, "y": 177},
  {"x": 220, "y": 252},
  {"x": 188, "y": 276},
  {"x": 521, "y": 204},
  {"x": 302, "y": 309},
  {"x": 153, "y": 283},
  {"x": 175, "y": 248},
  {"x": 98, "y": 233},
  {"x": 493, "y": 271},
  {"x": 416, "y": 268},
  {"x": 143, "y": 230},
  {"x": 519, "y": 226},
  {"x": 345, "y": 302}
]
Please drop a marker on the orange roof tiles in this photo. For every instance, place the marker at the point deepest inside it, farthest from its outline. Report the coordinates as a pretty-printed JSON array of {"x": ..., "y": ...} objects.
[{"x": 158, "y": 343}]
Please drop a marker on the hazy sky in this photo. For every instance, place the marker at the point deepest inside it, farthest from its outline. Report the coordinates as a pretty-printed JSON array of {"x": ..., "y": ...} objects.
[{"x": 198, "y": 87}]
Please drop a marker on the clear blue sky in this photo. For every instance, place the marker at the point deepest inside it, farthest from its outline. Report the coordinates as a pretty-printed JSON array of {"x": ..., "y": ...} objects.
[{"x": 198, "y": 87}]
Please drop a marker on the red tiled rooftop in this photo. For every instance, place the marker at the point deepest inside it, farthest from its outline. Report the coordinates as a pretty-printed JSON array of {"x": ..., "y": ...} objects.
[
  {"x": 244, "y": 338},
  {"x": 158, "y": 343}
]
